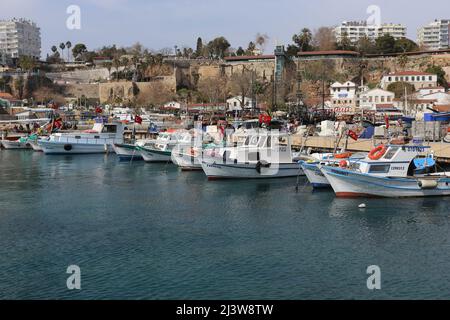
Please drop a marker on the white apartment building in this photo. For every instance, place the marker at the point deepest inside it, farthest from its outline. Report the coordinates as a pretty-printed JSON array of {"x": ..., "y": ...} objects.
[
  {"x": 372, "y": 99},
  {"x": 420, "y": 80},
  {"x": 435, "y": 36},
  {"x": 355, "y": 30},
  {"x": 19, "y": 37},
  {"x": 343, "y": 94}
]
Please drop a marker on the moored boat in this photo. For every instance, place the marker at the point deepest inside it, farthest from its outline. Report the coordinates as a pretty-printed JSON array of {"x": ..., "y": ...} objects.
[
  {"x": 388, "y": 172},
  {"x": 160, "y": 150},
  {"x": 98, "y": 140},
  {"x": 262, "y": 156}
]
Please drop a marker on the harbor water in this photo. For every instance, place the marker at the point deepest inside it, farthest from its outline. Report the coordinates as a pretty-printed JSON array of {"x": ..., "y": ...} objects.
[{"x": 148, "y": 231}]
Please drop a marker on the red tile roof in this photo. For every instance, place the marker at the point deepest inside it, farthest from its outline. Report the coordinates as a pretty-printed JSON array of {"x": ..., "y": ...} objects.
[
  {"x": 410, "y": 73},
  {"x": 240, "y": 58},
  {"x": 328, "y": 53}
]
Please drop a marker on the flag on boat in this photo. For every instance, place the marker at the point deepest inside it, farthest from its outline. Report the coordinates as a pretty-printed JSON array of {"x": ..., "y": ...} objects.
[
  {"x": 353, "y": 135},
  {"x": 386, "y": 120},
  {"x": 138, "y": 120},
  {"x": 98, "y": 110}
]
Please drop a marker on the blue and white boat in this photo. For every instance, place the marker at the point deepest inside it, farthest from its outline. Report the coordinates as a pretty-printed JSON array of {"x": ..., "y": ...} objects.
[
  {"x": 393, "y": 174},
  {"x": 312, "y": 171}
]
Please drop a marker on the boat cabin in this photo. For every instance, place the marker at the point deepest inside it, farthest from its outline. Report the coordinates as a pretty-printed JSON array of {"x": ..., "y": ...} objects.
[
  {"x": 269, "y": 147},
  {"x": 397, "y": 161}
]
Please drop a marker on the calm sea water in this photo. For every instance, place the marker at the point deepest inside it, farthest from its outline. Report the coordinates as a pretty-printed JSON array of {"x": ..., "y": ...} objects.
[{"x": 142, "y": 231}]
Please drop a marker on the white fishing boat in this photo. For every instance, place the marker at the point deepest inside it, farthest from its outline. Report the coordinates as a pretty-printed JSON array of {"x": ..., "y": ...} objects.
[
  {"x": 389, "y": 171},
  {"x": 19, "y": 144},
  {"x": 187, "y": 154},
  {"x": 100, "y": 139},
  {"x": 160, "y": 150},
  {"x": 312, "y": 171},
  {"x": 262, "y": 156},
  {"x": 129, "y": 151}
]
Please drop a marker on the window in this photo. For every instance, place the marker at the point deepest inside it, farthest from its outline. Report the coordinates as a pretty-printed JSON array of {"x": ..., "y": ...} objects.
[
  {"x": 430, "y": 78},
  {"x": 380, "y": 168},
  {"x": 391, "y": 153}
]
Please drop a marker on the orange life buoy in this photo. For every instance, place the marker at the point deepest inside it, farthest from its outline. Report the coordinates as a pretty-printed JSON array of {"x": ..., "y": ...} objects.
[
  {"x": 378, "y": 152},
  {"x": 343, "y": 155}
]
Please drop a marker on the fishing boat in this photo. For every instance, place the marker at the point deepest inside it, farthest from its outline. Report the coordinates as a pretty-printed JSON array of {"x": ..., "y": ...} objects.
[
  {"x": 187, "y": 153},
  {"x": 100, "y": 139},
  {"x": 19, "y": 144},
  {"x": 129, "y": 151},
  {"x": 312, "y": 171},
  {"x": 160, "y": 150},
  {"x": 389, "y": 171},
  {"x": 263, "y": 155}
]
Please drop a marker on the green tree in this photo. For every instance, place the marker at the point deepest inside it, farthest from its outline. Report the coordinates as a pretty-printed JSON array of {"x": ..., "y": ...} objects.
[
  {"x": 68, "y": 46},
  {"x": 365, "y": 45},
  {"x": 218, "y": 47},
  {"x": 78, "y": 50},
  {"x": 62, "y": 46},
  {"x": 399, "y": 88},
  {"x": 240, "y": 51},
  {"x": 434, "y": 69},
  {"x": 404, "y": 45},
  {"x": 385, "y": 44},
  {"x": 303, "y": 40},
  {"x": 27, "y": 63},
  {"x": 199, "y": 49},
  {"x": 251, "y": 48},
  {"x": 345, "y": 43}
]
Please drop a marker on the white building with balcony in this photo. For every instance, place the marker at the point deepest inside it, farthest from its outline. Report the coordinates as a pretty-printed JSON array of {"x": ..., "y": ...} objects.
[
  {"x": 435, "y": 36},
  {"x": 355, "y": 30},
  {"x": 420, "y": 80},
  {"x": 19, "y": 37}
]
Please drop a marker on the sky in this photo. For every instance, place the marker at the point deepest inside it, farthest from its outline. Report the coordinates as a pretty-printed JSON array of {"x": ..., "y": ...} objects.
[{"x": 165, "y": 23}]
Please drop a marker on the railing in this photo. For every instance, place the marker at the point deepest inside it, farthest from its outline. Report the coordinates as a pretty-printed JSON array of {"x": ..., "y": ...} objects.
[{"x": 92, "y": 141}]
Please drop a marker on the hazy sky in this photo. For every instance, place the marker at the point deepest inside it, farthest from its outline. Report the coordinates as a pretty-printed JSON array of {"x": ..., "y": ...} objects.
[{"x": 165, "y": 23}]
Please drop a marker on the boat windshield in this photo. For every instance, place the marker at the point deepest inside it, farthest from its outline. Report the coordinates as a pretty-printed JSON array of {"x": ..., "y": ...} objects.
[{"x": 109, "y": 129}]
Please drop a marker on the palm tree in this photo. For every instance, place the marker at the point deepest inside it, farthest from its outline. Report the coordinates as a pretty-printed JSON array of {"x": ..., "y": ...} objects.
[
  {"x": 68, "y": 46},
  {"x": 116, "y": 65},
  {"x": 62, "y": 46}
]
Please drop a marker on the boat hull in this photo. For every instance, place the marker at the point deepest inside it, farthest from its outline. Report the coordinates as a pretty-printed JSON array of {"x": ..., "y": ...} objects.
[
  {"x": 186, "y": 162},
  {"x": 127, "y": 152},
  {"x": 57, "y": 148},
  {"x": 150, "y": 155},
  {"x": 36, "y": 147},
  {"x": 315, "y": 177},
  {"x": 215, "y": 171},
  {"x": 351, "y": 184},
  {"x": 14, "y": 145}
]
